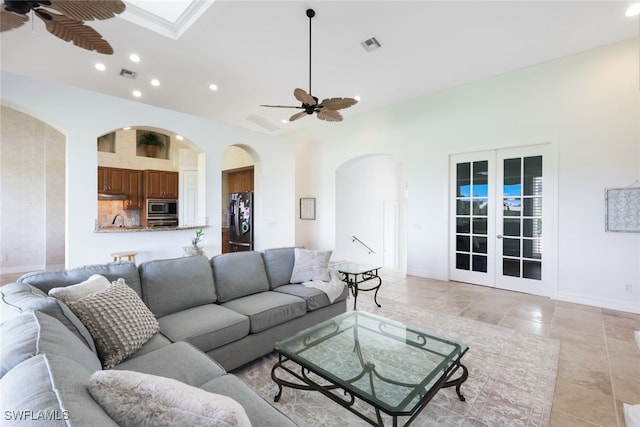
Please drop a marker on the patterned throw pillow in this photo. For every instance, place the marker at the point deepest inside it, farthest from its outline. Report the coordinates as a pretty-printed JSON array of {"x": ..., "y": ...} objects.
[
  {"x": 119, "y": 322},
  {"x": 140, "y": 400},
  {"x": 310, "y": 265}
]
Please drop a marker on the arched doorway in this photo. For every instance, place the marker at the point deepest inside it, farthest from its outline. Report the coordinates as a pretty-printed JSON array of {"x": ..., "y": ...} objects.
[
  {"x": 238, "y": 188},
  {"x": 370, "y": 211}
]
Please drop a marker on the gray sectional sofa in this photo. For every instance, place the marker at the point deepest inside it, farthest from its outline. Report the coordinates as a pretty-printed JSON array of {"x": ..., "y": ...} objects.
[{"x": 214, "y": 315}]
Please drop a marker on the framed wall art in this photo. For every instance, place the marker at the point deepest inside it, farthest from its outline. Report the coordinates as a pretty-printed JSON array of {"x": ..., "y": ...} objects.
[
  {"x": 307, "y": 208},
  {"x": 622, "y": 209}
]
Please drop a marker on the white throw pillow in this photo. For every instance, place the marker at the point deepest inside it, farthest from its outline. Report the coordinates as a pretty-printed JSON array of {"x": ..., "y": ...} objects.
[
  {"x": 90, "y": 286},
  {"x": 310, "y": 265},
  {"x": 137, "y": 399},
  {"x": 119, "y": 322}
]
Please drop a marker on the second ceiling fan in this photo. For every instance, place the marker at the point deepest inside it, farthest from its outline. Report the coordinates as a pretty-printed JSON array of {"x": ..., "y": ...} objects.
[{"x": 325, "y": 110}]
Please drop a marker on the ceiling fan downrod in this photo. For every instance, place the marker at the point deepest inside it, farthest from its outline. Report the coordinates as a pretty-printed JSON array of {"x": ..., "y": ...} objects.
[{"x": 310, "y": 13}]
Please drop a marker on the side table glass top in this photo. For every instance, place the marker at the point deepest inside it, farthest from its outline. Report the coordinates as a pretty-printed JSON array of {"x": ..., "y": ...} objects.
[
  {"x": 383, "y": 362},
  {"x": 353, "y": 267}
]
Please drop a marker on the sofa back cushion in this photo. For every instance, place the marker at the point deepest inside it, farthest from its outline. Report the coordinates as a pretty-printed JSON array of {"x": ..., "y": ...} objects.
[
  {"x": 45, "y": 280},
  {"x": 33, "y": 333},
  {"x": 50, "y": 390},
  {"x": 239, "y": 274},
  {"x": 279, "y": 265},
  {"x": 173, "y": 285},
  {"x": 17, "y": 298}
]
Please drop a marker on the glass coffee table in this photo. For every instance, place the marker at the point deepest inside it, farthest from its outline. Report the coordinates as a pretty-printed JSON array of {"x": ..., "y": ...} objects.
[{"x": 393, "y": 367}]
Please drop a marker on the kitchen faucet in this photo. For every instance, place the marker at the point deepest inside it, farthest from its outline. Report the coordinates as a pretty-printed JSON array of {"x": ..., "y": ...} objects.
[{"x": 116, "y": 217}]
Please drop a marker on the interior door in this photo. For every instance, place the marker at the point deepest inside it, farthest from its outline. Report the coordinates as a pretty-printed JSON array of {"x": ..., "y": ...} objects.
[{"x": 500, "y": 201}]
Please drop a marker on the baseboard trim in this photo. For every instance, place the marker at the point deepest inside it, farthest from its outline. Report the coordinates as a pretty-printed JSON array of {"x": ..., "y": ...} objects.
[
  {"x": 628, "y": 306},
  {"x": 426, "y": 274},
  {"x": 21, "y": 269}
]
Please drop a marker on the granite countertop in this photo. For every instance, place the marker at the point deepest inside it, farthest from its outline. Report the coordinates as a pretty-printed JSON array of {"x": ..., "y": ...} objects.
[{"x": 132, "y": 229}]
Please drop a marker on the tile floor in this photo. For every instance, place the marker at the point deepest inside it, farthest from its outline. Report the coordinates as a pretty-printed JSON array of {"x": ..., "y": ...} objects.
[{"x": 599, "y": 366}]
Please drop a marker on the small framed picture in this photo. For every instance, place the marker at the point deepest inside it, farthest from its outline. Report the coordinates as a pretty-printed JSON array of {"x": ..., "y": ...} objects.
[
  {"x": 622, "y": 209},
  {"x": 307, "y": 208}
]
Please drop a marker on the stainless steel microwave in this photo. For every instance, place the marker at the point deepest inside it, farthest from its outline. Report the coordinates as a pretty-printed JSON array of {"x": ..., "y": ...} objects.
[{"x": 162, "y": 209}]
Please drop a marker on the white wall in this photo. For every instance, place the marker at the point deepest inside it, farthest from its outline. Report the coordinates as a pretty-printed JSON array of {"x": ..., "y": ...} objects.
[
  {"x": 83, "y": 116},
  {"x": 587, "y": 105}
]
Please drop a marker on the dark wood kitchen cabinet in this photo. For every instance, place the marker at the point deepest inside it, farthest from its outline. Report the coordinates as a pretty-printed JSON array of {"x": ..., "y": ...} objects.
[
  {"x": 133, "y": 190},
  {"x": 111, "y": 180},
  {"x": 160, "y": 184}
]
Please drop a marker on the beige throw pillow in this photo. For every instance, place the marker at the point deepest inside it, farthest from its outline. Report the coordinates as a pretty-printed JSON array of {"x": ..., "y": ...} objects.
[
  {"x": 138, "y": 400},
  {"x": 90, "y": 286},
  {"x": 119, "y": 322},
  {"x": 310, "y": 265}
]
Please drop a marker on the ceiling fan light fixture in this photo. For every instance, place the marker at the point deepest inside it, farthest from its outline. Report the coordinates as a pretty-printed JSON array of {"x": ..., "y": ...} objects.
[{"x": 371, "y": 44}]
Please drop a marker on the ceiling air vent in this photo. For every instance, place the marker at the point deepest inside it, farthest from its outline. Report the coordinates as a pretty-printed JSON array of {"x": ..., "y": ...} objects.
[
  {"x": 371, "y": 44},
  {"x": 128, "y": 73}
]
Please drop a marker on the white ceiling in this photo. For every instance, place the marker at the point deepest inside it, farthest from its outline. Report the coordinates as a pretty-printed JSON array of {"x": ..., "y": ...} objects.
[{"x": 256, "y": 52}]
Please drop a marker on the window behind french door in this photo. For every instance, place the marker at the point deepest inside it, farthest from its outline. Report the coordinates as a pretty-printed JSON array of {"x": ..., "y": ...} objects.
[{"x": 500, "y": 201}]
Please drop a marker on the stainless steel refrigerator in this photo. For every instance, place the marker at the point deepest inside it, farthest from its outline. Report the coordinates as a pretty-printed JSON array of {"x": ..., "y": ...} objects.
[{"x": 241, "y": 221}]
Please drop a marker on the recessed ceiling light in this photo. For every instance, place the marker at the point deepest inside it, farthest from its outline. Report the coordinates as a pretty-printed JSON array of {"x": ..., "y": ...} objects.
[
  {"x": 357, "y": 98},
  {"x": 100, "y": 66},
  {"x": 213, "y": 87},
  {"x": 285, "y": 121},
  {"x": 155, "y": 82},
  {"x": 134, "y": 57},
  {"x": 633, "y": 10},
  {"x": 137, "y": 93},
  {"x": 179, "y": 137}
]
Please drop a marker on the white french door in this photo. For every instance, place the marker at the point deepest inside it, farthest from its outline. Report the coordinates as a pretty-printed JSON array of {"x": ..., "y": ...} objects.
[{"x": 500, "y": 200}]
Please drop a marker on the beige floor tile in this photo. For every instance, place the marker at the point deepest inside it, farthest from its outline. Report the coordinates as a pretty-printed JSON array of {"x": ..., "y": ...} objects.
[
  {"x": 562, "y": 419},
  {"x": 585, "y": 403},
  {"x": 525, "y": 325}
]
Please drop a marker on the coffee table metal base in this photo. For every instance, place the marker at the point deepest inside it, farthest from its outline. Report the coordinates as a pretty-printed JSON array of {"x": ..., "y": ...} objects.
[{"x": 347, "y": 402}]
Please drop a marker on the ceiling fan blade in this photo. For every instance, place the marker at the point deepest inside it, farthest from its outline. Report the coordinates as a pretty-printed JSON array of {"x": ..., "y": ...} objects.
[
  {"x": 338, "y": 103},
  {"x": 304, "y": 97},
  {"x": 329, "y": 115},
  {"x": 10, "y": 20},
  {"x": 297, "y": 116},
  {"x": 88, "y": 10},
  {"x": 282, "y": 106},
  {"x": 74, "y": 31}
]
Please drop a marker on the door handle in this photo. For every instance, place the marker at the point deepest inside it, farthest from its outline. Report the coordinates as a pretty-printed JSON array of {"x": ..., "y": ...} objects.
[{"x": 499, "y": 236}]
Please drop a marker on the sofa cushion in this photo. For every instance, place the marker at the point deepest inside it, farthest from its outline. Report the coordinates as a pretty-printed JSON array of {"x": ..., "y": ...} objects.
[
  {"x": 171, "y": 285},
  {"x": 45, "y": 280},
  {"x": 310, "y": 265},
  {"x": 18, "y": 298},
  {"x": 50, "y": 390},
  {"x": 33, "y": 333},
  {"x": 69, "y": 293},
  {"x": 118, "y": 320},
  {"x": 180, "y": 361},
  {"x": 238, "y": 274},
  {"x": 268, "y": 309},
  {"x": 279, "y": 265},
  {"x": 157, "y": 341},
  {"x": 260, "y": 412},
  {"x": 206, "y": 327},
  {"x": 137, "y": 399},
  {"x": 314, "y": 298}
]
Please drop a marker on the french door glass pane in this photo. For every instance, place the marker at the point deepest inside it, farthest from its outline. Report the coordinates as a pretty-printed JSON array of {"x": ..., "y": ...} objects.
[
  {"x": 472, "y": 210},
  {"x": 522, "y": 217}
]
